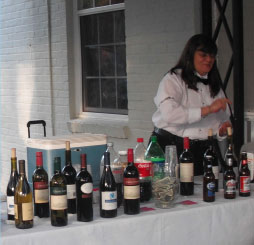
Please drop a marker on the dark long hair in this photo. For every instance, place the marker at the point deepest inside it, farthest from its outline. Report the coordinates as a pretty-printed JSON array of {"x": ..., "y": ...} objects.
[{"x": 186, "y": 63}]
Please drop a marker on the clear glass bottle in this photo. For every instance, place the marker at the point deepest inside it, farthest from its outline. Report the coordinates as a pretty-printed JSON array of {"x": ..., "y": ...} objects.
[
  {"x": 23, "y": 200},
  {"x": 166, "y": 188},
  {"x": 145, "y": 171},
  {"x": 117, "y": 171}
]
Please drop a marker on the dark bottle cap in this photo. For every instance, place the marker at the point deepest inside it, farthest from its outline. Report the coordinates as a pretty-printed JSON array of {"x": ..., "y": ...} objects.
[
  {"x": 130, "y": 155},
  {"x": 83, "y": 160},
  {"x": 106, "y": 158},
  {"x": 22, "y": 167},
  {"x": 57, "y": 164},
  {"x": 39, "y": 161}
]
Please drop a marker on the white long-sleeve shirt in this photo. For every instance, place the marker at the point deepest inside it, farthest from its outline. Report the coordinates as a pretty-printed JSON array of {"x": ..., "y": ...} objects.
[{"x": 179, "y": 109}]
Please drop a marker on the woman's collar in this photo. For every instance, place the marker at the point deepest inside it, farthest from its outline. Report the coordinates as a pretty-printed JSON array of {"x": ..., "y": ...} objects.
[{"x": 203, "y": 77}]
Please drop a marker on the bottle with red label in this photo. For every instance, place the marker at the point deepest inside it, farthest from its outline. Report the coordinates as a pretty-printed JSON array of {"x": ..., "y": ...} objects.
[
  {"x": 244, "y": 176},
  {"x": 40, "y": 188},
  {"x": 229, "y": 178},
  {"x": 144, "y": 168},
  {"x": 131, "y": 187}
]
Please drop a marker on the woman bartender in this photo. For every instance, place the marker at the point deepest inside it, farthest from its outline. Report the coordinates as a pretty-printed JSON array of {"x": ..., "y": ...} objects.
[{"x": 190, "y": 101}]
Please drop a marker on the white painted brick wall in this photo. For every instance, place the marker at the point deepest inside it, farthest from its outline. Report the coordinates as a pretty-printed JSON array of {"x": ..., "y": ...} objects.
[{"x": 25, "y": 74}]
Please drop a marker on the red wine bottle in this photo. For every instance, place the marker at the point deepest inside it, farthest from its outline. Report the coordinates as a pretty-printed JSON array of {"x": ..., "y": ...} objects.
[
  {"x": 186, "y": 170},
  {"x": 108, "y": 191},
  {"x": 58, "y": 196},
  {"x": 131, "y": 187},
  {"x": 70, "y": 174},
  {"x": 40, "y": 188},
  {"x": 13, "y": 180},
  {"x": 84, "y": 190}
]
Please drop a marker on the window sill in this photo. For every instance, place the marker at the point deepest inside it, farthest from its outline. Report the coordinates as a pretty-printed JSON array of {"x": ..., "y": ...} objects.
[{"x": 112, "y": 125}]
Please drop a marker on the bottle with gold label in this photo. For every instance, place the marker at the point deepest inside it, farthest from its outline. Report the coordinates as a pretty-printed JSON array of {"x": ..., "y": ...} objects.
[{"x": 23, "y": 200}]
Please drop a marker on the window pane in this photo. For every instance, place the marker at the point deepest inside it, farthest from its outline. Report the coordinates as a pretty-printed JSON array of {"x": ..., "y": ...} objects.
[
  {"x": 92, "y": 93},
  {"x": 120, "y": 60},
  {"x": 99, "y": 3},
  {"x": 122, "y": 99},
  {"x": 107, "y": 61},
  {"x": 119, "y": 27},
  {"x": 89, "y": 30},
  {"x": 85, "y": 4},
  {"x": 106, "y": 27},
  {"x": 117, "y": 1},
  {"x": 108, "y": 91},
  {"x": 91, "y": 61}
]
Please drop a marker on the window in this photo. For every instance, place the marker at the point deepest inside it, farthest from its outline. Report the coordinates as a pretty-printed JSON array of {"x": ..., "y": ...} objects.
[{"x": 103, "y": 54}]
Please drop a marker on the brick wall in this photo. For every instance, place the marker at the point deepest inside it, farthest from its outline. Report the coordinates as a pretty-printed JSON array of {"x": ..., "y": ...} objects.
[{"x": 33, "y": 86}]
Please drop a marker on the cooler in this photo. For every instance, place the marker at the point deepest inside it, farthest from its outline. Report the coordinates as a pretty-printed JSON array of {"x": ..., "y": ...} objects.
[{"x": 93, "y": 145}]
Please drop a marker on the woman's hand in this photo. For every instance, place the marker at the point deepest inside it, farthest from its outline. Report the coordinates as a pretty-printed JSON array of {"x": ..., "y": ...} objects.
[
  {"x": 223, "y": 128},
  {"x": 219, "y": 104}
]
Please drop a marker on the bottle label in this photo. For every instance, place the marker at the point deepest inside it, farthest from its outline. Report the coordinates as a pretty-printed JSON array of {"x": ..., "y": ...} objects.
[
  {"x": 131, "y": 192},
  {"x": 131, "y": 181},
  {"x": 216, "y": 171},
  {"x": 71, "y": 191},
  {"x": 144, "y": 168},
  {"x": 58, "y": 202},
  {"x": 230, "y": 186},
  {"x": 250, "y": 159},
  {"x": 86, "y": 190},
  {"x": 58, "y": 191},
  {"x": 10, "y": 205},
  {"x": 26, "y": 210},
  {"x": 244, "y": 184},
  {"x": 186, "y": 172},
  {"x": 109, "y": 200},
  {"x": 210, "y": 189},
  {"x": 41, "y": 196},
  {"x": 117, "y": 172},
  {"x": 41, "y": 192}
]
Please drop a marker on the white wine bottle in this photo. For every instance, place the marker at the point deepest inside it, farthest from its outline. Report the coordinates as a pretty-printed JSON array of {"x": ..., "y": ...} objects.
[
  {"x": 23, "y": 200},
  {"x": 13, "y": 180},
  {"x": 58, "y": 196}
]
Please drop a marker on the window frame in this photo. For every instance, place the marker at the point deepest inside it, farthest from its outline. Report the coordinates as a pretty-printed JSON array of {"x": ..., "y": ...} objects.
[{"x": 77, "y": 59}]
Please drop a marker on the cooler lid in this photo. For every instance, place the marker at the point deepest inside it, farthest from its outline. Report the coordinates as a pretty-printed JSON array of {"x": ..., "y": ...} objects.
[{"x": 76, "y": 140}]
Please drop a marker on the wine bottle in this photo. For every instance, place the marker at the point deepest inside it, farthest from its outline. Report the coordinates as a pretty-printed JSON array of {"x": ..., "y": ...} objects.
[
  {"x": 13, "y": 180},
  {"x": 131, "y": 187},
  {"x": 23, "y": 200},
  {"x": 40, "y": 188},
  {"x": 70, "y": 174},
  {"x": 84, "y": 190},
  {"x": 108, "y": 192},
  {"x": 117, "y": 171},
  {"x": 186, "y": 170},
  {"x": 210, "y": 153},
  {"x": 58, "y": 196},
  {"x": 244, "y": 176}
]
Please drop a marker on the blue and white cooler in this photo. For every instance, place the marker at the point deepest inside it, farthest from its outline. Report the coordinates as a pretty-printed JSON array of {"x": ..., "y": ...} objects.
[{"x": 93, "y": 145}]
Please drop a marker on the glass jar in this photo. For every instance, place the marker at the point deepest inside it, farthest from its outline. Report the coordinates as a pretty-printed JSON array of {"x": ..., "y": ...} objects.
[{"x": 165, "y": 186}]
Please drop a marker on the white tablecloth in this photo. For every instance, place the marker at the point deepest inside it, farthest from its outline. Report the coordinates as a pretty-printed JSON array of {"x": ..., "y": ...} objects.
[{"x": 221, "y": 222}]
